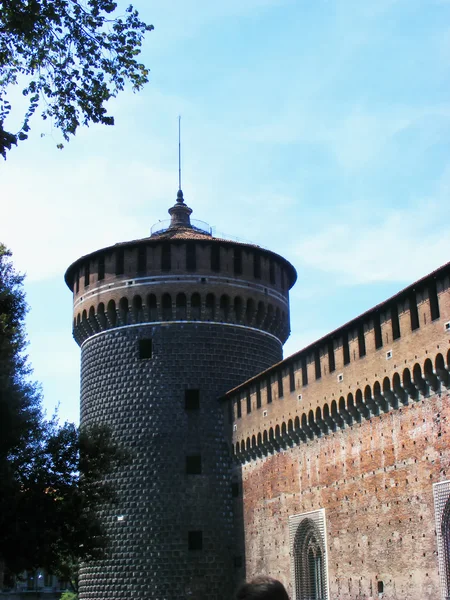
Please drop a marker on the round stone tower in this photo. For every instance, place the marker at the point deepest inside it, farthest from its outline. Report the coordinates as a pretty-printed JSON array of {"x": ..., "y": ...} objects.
[{"x": 166, "y": 325}]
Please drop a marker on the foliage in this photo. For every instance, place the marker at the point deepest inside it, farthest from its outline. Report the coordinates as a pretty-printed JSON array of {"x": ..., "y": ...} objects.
[
  {"x": 71, "y": 56},
  {"x": 52, "y": 478},
  {"x": 69, "y": 596}
]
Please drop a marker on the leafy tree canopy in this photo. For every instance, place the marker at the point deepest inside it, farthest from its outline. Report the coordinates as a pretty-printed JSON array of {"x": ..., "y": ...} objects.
[
  {"x": 71, "y": 57},
  {"x": 52, "y": 478}
]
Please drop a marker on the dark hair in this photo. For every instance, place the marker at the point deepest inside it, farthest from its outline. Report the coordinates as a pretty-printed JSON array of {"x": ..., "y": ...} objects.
[{"x": 262, "y": 588}]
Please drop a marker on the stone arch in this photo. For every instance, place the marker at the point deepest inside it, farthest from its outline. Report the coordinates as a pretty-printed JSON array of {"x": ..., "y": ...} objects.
[
  {"x": 253, "y": 441},
  {"x": 388, "y": 393},
  {"x": 408, "y": 384},
  {"x": 166, "y": 303},
  {"x": 101, "y": 316},
  {"x": 271, "y": 434},
  {"x": 259, "y": 438},
  {"x": 242, "y": 446},
  {"x": 309, "y": 562},
  {"x": 260, "y": 313},
  {"x": 277, "y": 431},
  {"x": 297, "y": 423},
  {"x": 237, "y": 448},
  {"x": 360, "y": 405},
  {"x": 123, "y": 311},
  {"x": 441, "y": 371},
  {"x": 398, "y": 389},
  {"x": 419, "y": 381},
  {"x": 265, "y": 437},
  {"x": 283, "y": 429},
  {"x": 290, "y": 426},
  {"x": 137, "y": 309},
  {"x": 92, "y": 320},
  {"x": 152, "y": 307},
  {"x": 180, "y": 307},
  {"x": 448, "y": 359},
  {"x": 210, "y": 307},
  {"x": 224, "y": 308},
  {"x": 248, "y": 444},
  {"x": 111, "y": 313},
  {"x": 196, "y": 306},
  {"x": 78, "y": 319},
  {"x": 269, "y": 317},
  {"x": 430, "y": 375},
  {"x": 249, "y": 311},
  {"x": 238, "y": 308}
]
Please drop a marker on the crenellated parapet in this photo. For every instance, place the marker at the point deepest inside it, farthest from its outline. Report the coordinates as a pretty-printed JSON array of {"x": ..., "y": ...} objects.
[{"x": 394, "y": 354}]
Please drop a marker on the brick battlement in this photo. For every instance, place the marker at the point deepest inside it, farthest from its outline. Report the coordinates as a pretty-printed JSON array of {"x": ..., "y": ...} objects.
[{"x": 392, "y": 355}]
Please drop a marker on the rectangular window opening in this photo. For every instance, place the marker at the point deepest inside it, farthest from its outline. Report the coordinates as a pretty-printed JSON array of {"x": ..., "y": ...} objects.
[
  {"x": 280, "y": 384},
  {"x": 272, "y": 272},
  {"x": 291, "y": 378},
  {"x": 237, "y": 262},
  {"x": 434, "y": 300},
  {"x": 413, "y": 311},
  {"x": 257, "y": 266},
  {"x": 258, "y": 395},
  {"x": 269, "y": 390},
  {"x": 101, "y": 267},
  {"x": 395, "y": 321},
  {"x": 191, "y": 399},
  {"x": 77, "y": 282},
  {"x": 239, "y": 408},
  {"x": 166, "y": 257},
  {"x": 249, "y": 402},
  {"x": 304, "y": 371},
  {"x": 235, "y": 489},
  {"x": 345, "y": 348},
  {"x": 194, "y": 464},
  {"x": 331, "y": 359},
  {"x": 191, "y": 257},
  {"x": 377, "y": 331},
  {"x": 215, "y": 257},
  {"x": 361, "y": 341},
  {"x": 87, "y": 274},
  {"x": 145, "y": 348},
  {"x": 195, "y": 540},
  {"x": 120, "y": 261},
  {"x": 317, "y": 363},
  {"x": 142, "y": 259}
]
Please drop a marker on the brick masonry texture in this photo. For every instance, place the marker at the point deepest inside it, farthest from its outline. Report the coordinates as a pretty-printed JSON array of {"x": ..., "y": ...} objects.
[
  {"x": 374, "y": 480},
  {"x": 158, "y": 503}
]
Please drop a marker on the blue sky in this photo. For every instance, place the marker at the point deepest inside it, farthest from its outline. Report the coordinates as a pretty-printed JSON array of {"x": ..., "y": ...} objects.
[{"x": 319, "y": 129}]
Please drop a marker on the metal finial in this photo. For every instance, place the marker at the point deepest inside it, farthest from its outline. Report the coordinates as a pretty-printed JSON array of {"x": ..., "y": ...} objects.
[{"x": 179, "y": 152}]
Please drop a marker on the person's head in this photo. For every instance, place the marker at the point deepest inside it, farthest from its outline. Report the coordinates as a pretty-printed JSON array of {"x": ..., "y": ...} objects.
[{"x": 262, "y": 588}]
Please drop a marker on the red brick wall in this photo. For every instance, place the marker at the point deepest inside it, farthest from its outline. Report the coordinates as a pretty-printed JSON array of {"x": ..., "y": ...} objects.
[{"x": 374, "y": 480}]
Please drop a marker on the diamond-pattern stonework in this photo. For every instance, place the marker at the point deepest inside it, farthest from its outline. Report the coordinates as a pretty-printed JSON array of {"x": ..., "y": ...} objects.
[{"x": 158, "y": 504}]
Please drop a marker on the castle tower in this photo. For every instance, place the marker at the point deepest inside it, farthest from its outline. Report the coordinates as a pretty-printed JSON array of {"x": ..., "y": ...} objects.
[{"x": 167, "y": 324}]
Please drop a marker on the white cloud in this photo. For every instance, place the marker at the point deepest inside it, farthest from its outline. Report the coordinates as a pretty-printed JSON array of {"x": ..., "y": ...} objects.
[{"x": 397, "y": 245}]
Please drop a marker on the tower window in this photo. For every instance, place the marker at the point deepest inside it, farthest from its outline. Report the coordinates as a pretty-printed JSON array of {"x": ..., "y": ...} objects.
[
  {"x": 142, "y": 259},
  {"x": 380, "y": 587},
  {"x": 77, "y": 282},
  {"x": 194, "y": 464},
  {"x": 280, "y": 384},
  {"x": 291, "y": 378},
  {"x": 272, "y": 272},
  {"x": 87, "y": 274},
  {"x": 145, "y": 348},
  {"x": 195, "y": 540},
  {"x": 191, "y": 399},
  {"x": 304, "y": 371},
  {"x": 269, "y": 390},
  {"x": 166, "y": 259},
  {"x": 120, "y": 259},
  {"x": 235, "y": 489},
  {"x": 257, "y": 266},
  {"x": 215, "y": 257},
  {"x": 249, "y": 402},
  {"x": 238, "y": 261},
  {"x": 101, "y": 267},
  {"x": 191, "y": 257},
  {"x": 258, "y": 395}
]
